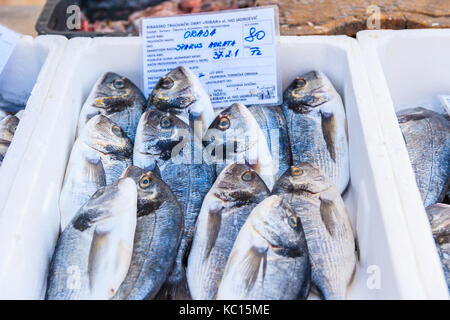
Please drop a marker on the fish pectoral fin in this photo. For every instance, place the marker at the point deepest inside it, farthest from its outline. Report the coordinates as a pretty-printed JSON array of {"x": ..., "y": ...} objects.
[
  {"x": 329, "y": 132},
  {"x": 94, "y": 171},
  {"x": 328, "y": 214},
  {"x": 214, "y": 222},
  {"x": 251, "y": 265}
]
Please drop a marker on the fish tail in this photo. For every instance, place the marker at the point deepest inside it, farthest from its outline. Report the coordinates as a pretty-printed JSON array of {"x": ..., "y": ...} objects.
[{"x": 175, "y": 291}]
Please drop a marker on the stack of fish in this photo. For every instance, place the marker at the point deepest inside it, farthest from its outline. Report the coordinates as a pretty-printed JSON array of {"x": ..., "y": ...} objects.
[
  {"x": 427, "y": 138},
  {"x": 169, "y": 200},
  {"x": 8, "y": 126}
]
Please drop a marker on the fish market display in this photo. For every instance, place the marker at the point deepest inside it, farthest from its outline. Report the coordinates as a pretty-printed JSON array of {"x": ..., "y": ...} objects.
[
  {"x": 181, "y": 93},
  {"x": 235, "y": 136},
  {"x": 100, "y": 154},
  {"x": 327, "y": 227},
  {"x": 427, "y": 138},
  {"x": 269, "y": 259},
  {"x": 159, "y": 229},
  {"x": 273, "y": 124},
  {"x": 117, "y": 98},
  {"x": 317, "y": 126},
  {"x": 237, "y": 190},
  {"x": 167, "y": 141},
  {"x": 439, "y": 216},
  {"x": 93, "y": 253},
  {"x": 8, "y": 126}
]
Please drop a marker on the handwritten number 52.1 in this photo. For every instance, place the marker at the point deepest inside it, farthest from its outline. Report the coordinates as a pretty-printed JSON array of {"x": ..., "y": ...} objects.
[{"x": 253, "y": 34}]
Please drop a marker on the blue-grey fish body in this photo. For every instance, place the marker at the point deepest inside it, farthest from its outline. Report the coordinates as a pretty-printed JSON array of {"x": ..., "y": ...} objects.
[
  {"x": 169, "y": 142},
  {"x": 427, "y": 138},
  {"x": 273, "y": 124},
  {"x": 117, "y": 98},
  {"x": 237, "y": 190},
  {"x": 8, "y": 126},
  {"x": 317, "y": 126},
  {"x": 93, "y": 253},
  {"x": 269, "y": 260},
  {"x": 159, "y": 229},
  {"x": 327, "y": 227}
]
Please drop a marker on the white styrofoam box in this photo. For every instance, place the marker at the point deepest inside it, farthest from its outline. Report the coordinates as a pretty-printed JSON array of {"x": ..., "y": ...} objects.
[
  {"x": 409, "y": 68},
  {"x": 387, "y": 268},
  {"x": 25, "y": 80}
]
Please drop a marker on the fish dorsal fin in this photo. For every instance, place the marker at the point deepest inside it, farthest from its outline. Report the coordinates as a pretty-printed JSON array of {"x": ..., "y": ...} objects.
[
  {"x": 329, "y": 132},
  {"x": 328, "y": 214},
  {"x": 94, "y": 171},
  {"x": 214, "y": 223}
]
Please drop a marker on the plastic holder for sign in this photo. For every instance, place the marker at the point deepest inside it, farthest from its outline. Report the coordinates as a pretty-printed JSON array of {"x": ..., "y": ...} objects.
[
  {"x": 409, "y": 68},
  {"x": 25, "y": 80},
  {"x": 388, "y": 267}
]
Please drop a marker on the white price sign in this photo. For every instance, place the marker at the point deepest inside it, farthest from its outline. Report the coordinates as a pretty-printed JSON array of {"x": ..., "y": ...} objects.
[
  {"x": 8, "y": 40},
  {"x": 232, "y": 52}
]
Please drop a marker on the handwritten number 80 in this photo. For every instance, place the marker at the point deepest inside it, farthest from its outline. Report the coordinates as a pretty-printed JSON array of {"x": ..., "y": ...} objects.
[{"x": 253, "y": 34}]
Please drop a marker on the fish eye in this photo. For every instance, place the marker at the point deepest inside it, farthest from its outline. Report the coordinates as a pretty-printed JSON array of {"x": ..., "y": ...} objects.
[
  {"x": 116, "y": 130},
  {"x": 165, "y": 122},
  {"x": 248, "y": 176},
  {"x": 144, "y": 183},
  {"x": 224, "y": 123},
  {"x": 166, "y": 82},
  {"x": 300, "y": 82},
  {"x": 119, "y": 84},
  {"x": 13, "y": 129},
  {"x": 98, "y": 193},
  {"x": 293, "y": 222},
  {"x": 296, "y": 171}
]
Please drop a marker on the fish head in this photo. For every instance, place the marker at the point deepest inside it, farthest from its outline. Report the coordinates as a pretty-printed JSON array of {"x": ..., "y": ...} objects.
[
  {"x": 304, "y": 178},
  {"x": 238, "y": 183},
  {"x": 103, "y": 135},
  {"x": 160, "y": 132},
  {"x": 8, "y": 127},
  {"x": 308, "y": 92}
]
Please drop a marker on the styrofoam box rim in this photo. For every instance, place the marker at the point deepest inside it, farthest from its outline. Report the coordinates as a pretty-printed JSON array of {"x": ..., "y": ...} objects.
[{"x": 412, "y": 208}]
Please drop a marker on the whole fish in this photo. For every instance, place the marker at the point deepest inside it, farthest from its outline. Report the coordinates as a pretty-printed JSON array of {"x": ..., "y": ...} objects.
[
  {"x": 93, "y": 253},
  {"x": 159, "y": 229},
  {"x": 427, "y": 138},
  {"x": 439, "y": 216},
  {"x": 235, "y": 136},
  {"x": 237, "y": 190},
  {"x": 8, "y": 126},
  {"x": 317, "y": 126},
  {"x": 269, "y": 260},
  {"x": 99, "y": 156},
  {"x": 164, "y": 139},
  {"x": 328, "y": 231},
  {"x": 273, "y": 124},
  {"x": 117, "y": 98},
  {"x": 181, "y": 93}
]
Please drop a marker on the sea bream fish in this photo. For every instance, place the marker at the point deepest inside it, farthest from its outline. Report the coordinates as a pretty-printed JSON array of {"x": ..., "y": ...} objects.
[
  {"x": 8, "y": 126},
  {"x": 427, "y": 138},
  {"x": 317, "y": 126},
  {"x": 439, "y": 216},
  {"x": 159, "y": 229},
  {"x": 93, "y": 253},
  {"x": 181, "y": 93},
  {"x": 99, "y": 156},
  {"x": 237, "y": 190},
  {"x": 273, "y": 124},
  {"x": 235, "y": 136},
  {"x": 117, "y": 98},
  {"x": 269, "y": 260},
  {"x": 165, "y": 140},
  {"x": 328, "y": 231}
]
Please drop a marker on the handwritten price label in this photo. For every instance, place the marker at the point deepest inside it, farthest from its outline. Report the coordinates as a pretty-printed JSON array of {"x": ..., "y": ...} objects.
[{"x": 232, "y": 52}]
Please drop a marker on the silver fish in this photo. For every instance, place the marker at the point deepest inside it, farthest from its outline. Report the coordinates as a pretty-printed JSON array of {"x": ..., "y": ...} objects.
[
  {"x": 329, "y": 234},
  {"x": 269, "y": 260},
  {"x": 235, "y": 137},
  {"x": 93, "y": 253},
  {"x": 99, "y": 156},
  {"x": 317, "y": 126},
  {"x": 159, "y": 229},
  {"x": 439, "y": 216},
  {"x": 169, "y": 142},
  {"x": 273, "y": 124},
  {"x": 427, "y": 138},
  {"x": 237, "y": 190},
  {"x": 181, "y": 93},
  {"x": 117, "y": 98},
  {"x": 8, "y": 126}
]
